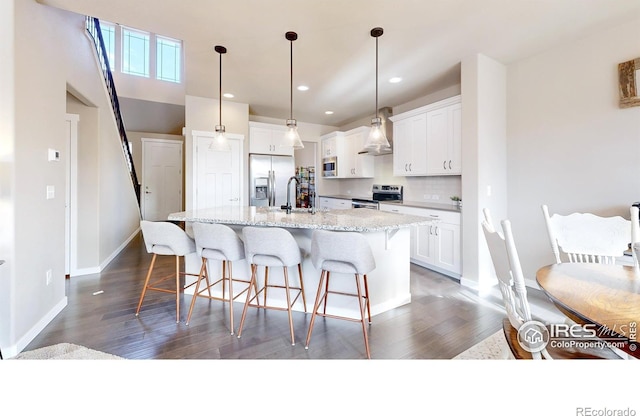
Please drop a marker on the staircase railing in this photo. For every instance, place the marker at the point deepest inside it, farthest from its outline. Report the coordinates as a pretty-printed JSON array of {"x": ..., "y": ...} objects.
[{"x": 93, "y": 28}]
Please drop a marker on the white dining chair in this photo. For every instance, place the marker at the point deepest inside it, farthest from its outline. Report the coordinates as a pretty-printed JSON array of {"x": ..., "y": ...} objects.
[
  {"x": 635, "y": 235},
  {"x": 587, "y": 238},
  {"x": 508, "y": 270}
]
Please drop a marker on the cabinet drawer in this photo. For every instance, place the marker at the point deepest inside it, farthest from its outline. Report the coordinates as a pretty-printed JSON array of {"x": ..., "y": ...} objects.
[{"x": 444, "y": 216}]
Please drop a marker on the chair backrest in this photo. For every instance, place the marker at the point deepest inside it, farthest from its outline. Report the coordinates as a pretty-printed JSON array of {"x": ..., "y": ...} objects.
[
  {"x": 506, "y": 264},
  {"x": 350, "y": 249},
  {"x": 273, "y": 242},
  {"x": 587, "y": 238},
  {"x": 218, "y": 238},
  {"x": 635, "y": 234},
  {"x": 166, "y": 238}
]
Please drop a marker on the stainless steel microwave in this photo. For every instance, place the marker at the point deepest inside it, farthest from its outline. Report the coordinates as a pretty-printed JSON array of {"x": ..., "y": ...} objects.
[{"x": 330, "y": 166}]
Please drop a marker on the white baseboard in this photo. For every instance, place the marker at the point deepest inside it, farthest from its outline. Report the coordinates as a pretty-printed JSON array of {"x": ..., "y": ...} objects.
[
  {"x": 15, "y": 349},
  {"x": 92, "y": 270}
]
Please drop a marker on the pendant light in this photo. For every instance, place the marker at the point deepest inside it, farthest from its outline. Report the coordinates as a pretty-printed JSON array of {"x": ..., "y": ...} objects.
[
  {"x": 292, "y": 138},
  {"x": 220, "y": 142},
  {"x": 377, "y": 140}
]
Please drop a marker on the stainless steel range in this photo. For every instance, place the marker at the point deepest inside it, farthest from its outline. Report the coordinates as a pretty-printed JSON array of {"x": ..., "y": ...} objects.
[{"x": 379, "y": 193}]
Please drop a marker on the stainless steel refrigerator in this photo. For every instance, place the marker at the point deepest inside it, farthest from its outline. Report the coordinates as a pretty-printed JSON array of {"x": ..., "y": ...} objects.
[{"x": 268, "y": 177}]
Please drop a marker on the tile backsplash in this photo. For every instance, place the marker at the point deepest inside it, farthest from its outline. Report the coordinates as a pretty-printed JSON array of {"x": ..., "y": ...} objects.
[{"x": 422, "y": 188}]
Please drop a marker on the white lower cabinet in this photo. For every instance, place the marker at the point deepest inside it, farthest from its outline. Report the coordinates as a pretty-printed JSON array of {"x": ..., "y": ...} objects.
[
  {"x": 436, "y": 246},
  {"x": 334, "y": 203}
]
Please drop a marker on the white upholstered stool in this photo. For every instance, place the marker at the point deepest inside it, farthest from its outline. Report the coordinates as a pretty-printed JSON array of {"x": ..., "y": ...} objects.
[
  {"x": 342, "y": 252},
  {"x": 272, "y": 247},
  {"x": 217, "y": 242},
  {"x": 165, "y": 239}
]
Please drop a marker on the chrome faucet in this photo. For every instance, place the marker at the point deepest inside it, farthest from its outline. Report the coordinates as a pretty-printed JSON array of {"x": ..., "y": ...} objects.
[{"x": 288, "y": 206}]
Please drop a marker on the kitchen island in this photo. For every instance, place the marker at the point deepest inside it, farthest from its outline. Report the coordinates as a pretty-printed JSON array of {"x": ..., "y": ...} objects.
[{"x": 388, "y": 234}]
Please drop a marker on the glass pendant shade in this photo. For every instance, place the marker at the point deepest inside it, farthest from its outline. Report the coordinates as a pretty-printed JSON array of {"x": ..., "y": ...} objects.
[
  {"x": 220, "y": 142},
  {"x": 291, "y": 136},
  {"x": 377, "y": 139}
]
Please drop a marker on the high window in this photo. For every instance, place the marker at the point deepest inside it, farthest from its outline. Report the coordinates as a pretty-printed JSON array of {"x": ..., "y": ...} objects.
[
  {"x": 135, "y": 52},
  {"x": 168, "y": 59},
  {"x": 108, "y": 31}
]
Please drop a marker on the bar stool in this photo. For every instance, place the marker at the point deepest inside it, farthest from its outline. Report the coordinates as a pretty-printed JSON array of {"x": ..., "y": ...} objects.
[
  {"x": 221, "y": 243},
  {"x": 165, "y": 239},
  {"x": 272, "y": 247},
  {"x": 341, "y": 252}
]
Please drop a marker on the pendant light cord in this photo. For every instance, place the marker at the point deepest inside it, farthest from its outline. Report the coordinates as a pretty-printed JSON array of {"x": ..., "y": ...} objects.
[
  {"x": 376, "y": 109},
  {"x": 220, "y": 95},
  {"x": 291, "y": 78}
]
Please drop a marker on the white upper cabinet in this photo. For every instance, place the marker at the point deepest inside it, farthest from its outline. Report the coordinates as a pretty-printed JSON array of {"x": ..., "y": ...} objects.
[
  {"x": 444, "y": 141},
  {"x": 330, "y": 144},
  {"x": 427, "y": 140},
  {"x": 344, "y": 146},
  {"x": 410, "y": 146},
  {"x": 268, "y": 139},
  {"x": 352, "y": 164}
]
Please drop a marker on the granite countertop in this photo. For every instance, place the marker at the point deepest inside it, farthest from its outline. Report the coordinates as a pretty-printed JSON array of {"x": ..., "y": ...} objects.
[
  {"x": 343, "y": 196},
  {"x": 361, "y": 220},
  {"x": 443, "y": 206}
]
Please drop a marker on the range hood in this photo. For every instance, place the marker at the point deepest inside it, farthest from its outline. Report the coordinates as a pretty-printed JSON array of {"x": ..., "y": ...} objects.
[{"x": 384, "y": 113}]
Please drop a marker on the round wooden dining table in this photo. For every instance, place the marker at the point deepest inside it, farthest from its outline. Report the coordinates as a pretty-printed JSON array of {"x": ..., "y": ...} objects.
[{"x": 604, "y": 296}]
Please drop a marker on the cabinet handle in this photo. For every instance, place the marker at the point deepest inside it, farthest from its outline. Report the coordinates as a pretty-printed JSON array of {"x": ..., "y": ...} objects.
[
  {"x": 409, "y": 167},
  {"x": 449, "y": 164},
  {"x": 444, "y": 164},
  {"x": 436, "y": 231},
  {"x": 233, "y": 199},
  {"x": 405, "y": 167}
]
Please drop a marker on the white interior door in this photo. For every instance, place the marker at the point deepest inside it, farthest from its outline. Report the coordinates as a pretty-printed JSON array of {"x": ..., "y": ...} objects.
[
  {"x": 218, "y": 175},
  {"x": 70, "y": 213},
  {"x": 161, "y": 178}
]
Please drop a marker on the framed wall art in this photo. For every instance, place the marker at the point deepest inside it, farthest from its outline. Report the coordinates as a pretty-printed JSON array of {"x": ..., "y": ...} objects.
[{"x": 629, "y": 76}]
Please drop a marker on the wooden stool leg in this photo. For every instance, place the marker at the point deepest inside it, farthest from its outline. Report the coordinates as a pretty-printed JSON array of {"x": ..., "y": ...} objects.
[
  {"x": 286, "y": 285},
  {"x": 316, "y": 305},
  {"x": 304, "y": 299},
  {"x": 362, "y": 320},
  {"x": 230, "y": 272},
  {"x": 252, "y": 283},
  {"x": 266, "y": 283},
  {"x": 203, "y": 269},
  {"x": 326, "y": 293},
  {"x": 366, "y": 294},
  {"x": 146, "y": 283},
  {"x": 177, "y": 289}
]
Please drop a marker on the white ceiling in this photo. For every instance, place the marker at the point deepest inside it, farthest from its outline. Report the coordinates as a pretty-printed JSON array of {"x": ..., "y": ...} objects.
[{"x": 424, "y": 42}]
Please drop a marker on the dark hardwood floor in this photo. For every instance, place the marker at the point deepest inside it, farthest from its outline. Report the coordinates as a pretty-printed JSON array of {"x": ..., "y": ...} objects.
[{"x": 443, "y": 319}]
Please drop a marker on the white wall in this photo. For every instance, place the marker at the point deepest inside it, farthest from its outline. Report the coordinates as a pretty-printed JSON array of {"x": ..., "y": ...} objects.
[
  {"x": 570, "y": 146},
  {"x": 484, "y": 162},
  {"x": 7, "y": 167},
  {"x": 41, "y": 78}
]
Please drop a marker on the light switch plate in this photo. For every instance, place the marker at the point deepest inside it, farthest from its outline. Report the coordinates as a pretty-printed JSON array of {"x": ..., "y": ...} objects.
[
  {"x": 53, "y": 155},
  {"x": 51, "y": 191}
]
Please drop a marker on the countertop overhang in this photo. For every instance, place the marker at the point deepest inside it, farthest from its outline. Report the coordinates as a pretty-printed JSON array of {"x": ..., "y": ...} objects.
[{"x": 359, "y": 220}]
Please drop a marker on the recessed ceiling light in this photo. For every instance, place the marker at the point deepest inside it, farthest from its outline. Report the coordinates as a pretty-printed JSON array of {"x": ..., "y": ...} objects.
[
  {"x": 395, "y": 80},
  {"x": 303, "y": 88},
  {"x": 328, "y": 112},
  {"x": 228, "y": 95}
]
